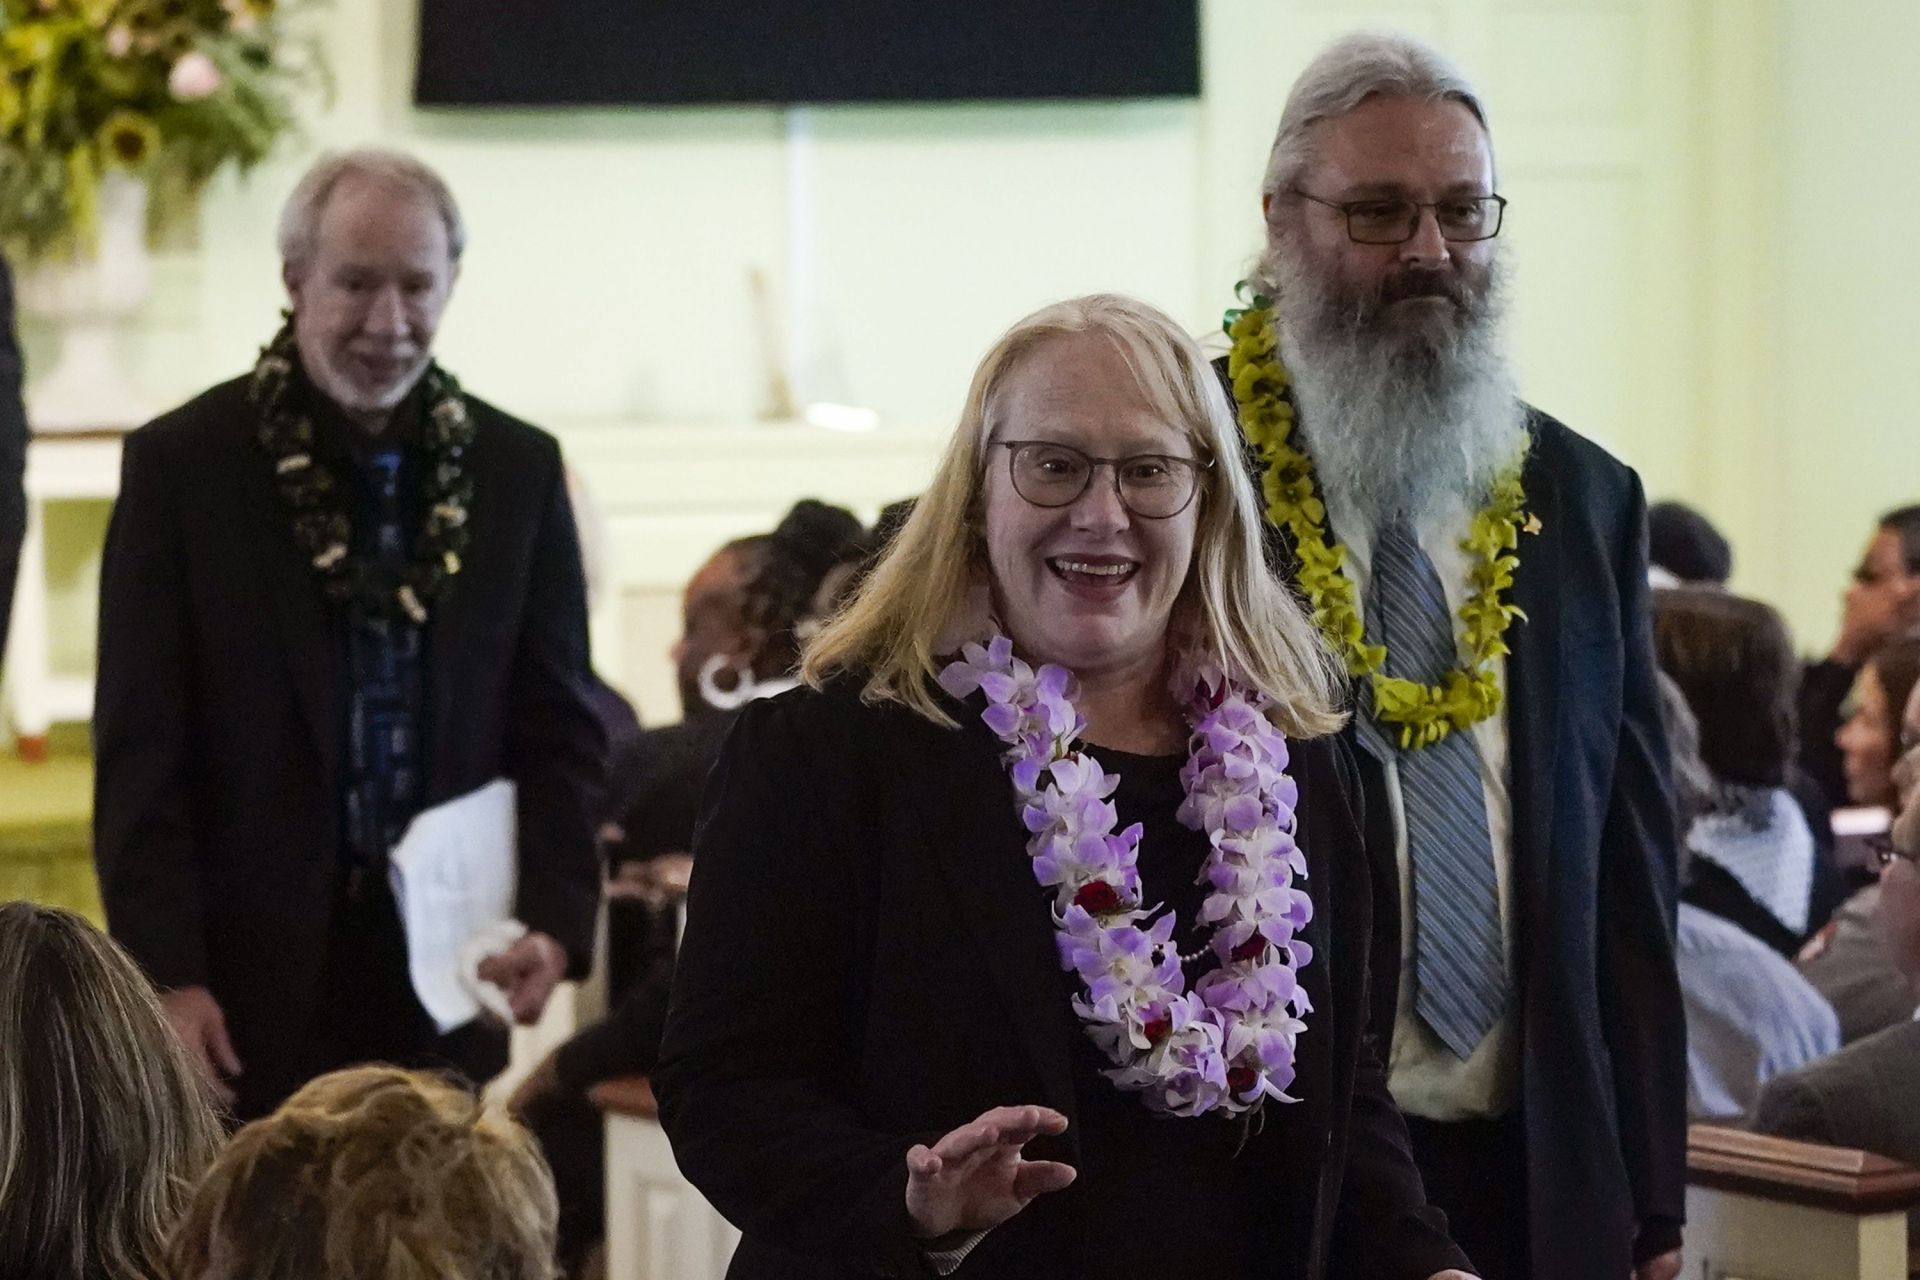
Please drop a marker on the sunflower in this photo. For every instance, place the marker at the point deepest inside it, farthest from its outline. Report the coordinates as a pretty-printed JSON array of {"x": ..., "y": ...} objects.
[
  {"x": 128, "y": 139},
  {"x": 245, "y": 14}
]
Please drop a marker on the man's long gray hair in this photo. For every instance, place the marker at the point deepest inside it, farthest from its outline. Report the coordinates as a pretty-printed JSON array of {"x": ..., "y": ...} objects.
[{"x": 1402, "y": 419}]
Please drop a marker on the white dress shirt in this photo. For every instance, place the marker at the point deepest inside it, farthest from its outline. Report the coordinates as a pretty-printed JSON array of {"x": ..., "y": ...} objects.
[{"x": 1425, "y": 1076}]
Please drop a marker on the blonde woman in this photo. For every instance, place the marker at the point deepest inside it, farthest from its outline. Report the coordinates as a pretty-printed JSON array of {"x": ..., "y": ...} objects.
[
  {"x": 372, "y": 1173},
  {"x": 104, "y": 1122},
  {"x": 1033, "y": 936}
]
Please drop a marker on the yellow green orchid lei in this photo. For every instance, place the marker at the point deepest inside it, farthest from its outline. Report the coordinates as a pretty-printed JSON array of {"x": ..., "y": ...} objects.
[{"x": 1425, "y": 713}]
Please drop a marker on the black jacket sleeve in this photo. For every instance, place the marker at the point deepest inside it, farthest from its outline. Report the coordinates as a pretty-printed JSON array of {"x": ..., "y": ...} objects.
[
  {"x": 556, "y": 747},
  {"x": 625, "y": 1043},
  {"x": 755, "y": 1074},
  {"x": 13, "y": 455},
  {"x": 1641, "y": 1014},
  {"x": 144, "y": 839}
]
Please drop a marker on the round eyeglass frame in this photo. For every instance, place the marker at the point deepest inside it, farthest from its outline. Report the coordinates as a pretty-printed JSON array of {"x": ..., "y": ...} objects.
[{"x": 1193, "y": 466}]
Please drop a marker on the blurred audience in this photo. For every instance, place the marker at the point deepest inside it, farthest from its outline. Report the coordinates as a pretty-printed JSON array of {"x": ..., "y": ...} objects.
[
  {"x": 1882, "y": 603},
  {"x": 748, "y": 611},
  {"x": 1760, "y": 859},
  {"x": 372, "y": 1173},
  {"x": 1684, "y": 549},
  {"x": 1849, "y": 961},
  {"x": 743, "y": 622},
  {"x": 1863, "y": 1096},
  {"x": 1750, "y": 1016},
  {"x": 104, "y": 1121},
  {"x": 1869, "y": 737}
]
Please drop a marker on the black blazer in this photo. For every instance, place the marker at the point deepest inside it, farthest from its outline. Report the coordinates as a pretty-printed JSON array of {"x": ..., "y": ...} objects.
[
  {"x": 221, "y": 708},
  {"x": 868, "y": 964},
  {"x": 13, "y": 456},
  {"x": 1603, "y": 1070}
]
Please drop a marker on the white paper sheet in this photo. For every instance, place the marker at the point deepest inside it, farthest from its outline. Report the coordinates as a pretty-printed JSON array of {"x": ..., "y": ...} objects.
[{"x": 454, "y": 876}]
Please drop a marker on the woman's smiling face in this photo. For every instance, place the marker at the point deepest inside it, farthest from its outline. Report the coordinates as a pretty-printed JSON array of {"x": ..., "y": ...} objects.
[{"x": 1090, "y": 584}]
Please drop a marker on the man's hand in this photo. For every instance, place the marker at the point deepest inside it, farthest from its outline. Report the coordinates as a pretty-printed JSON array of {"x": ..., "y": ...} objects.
[
  {"x": 527, "y": 971},
  {"x": 975, "y": 1178},
  {"x": 1665, "y": 1266},
  {"x": 202, "y": 1028}
]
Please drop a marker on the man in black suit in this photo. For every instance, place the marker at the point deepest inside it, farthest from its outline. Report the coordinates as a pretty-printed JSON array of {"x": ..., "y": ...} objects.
[
  {"x": 13, "y": 456},
  {"x": 336, "y": 593},
  {"x": 1516, "y": 782}
]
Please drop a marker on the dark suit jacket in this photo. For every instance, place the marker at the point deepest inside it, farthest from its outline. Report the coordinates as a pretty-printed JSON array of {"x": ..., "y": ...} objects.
[
  {"x": 868, "y": 964},
  {"x": 1603, "y": 1030},
  {"x": 13, "y": 456},
  {"x": 221, "y": 707}
]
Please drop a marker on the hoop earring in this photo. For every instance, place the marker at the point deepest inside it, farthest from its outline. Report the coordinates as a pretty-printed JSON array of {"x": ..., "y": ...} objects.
[{"x": 743, "y": 691}]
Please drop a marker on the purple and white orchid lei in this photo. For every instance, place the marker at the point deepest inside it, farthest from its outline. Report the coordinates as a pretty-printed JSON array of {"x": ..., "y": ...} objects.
[{"x": 1228, "y": 1044}]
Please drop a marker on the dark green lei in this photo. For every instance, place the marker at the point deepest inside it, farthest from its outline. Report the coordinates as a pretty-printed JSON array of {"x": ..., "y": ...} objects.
[{"x": 318, "y": 504}]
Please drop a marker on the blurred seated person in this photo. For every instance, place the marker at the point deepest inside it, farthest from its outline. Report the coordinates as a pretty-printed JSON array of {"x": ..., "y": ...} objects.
[
  {"x": 1684, "y": 549},
  {"x": 1864, "y": 1096},
  {"x": 1869, "y": 738},
  {"x": 1758, "y": 860},
  {"x": 1849, "y": 960},
  {"x": 372, "y": 1173},
  {"x": 1882, "y": 603},
  {"x": 747, "y": 612},
  {"x": 104, "y": 1120},
  {"x": 1750, "y": 1015},
  {"x": 742, "y": 619}
]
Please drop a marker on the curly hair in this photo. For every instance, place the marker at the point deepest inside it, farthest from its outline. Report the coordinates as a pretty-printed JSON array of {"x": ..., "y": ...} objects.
[
  {"x": 783, "y": 574},
  {"x": 378, "y": 1174},
  {"x": 104, "y": 1122}
]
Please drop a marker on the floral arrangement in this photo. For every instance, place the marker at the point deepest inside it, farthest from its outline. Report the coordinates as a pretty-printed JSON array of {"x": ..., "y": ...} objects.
[
  {"x": 166, "y": 90},
  {"x": 1425, "y": 713},
  {"x": 1228, "y": 1044}
]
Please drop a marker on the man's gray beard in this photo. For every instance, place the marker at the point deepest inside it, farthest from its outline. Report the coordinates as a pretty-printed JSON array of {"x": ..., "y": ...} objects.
[{"x": 1401, "y": 420}]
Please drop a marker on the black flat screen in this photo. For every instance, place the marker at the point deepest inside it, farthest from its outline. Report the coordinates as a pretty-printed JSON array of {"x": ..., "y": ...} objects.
[{"x": 610, "y": 52}]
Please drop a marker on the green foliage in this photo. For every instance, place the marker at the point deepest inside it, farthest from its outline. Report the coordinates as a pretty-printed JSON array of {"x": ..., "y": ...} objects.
[{"x": 170, "y": 90}]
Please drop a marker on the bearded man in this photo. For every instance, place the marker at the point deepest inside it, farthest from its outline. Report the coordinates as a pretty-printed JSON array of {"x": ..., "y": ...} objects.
[
  {"x": 1506, "y": 716},
  {"x": 337, "y": 592}
]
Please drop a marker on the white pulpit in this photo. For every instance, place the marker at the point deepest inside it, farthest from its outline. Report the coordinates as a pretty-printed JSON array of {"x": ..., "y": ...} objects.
[{"x": 658, "y": 1226}]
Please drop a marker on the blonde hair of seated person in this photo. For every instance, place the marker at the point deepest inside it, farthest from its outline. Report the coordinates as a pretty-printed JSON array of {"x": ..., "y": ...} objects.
[
  {"x": 104, "y": 1123},
  {"x": 373, "y": 1173}
]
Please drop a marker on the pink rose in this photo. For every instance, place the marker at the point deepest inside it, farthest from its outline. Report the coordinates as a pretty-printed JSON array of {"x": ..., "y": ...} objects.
[
  {"x": 193, "y": 77},
  {"x": 119, "y": 42}
]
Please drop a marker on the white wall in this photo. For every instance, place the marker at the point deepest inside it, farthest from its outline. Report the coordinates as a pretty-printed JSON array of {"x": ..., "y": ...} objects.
[{"x": 1847, "y": 380}]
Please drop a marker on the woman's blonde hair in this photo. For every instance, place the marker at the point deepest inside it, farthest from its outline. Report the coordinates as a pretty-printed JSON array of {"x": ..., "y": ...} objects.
[
  {"x": 1230, "y": 610},
  {"x": 378, "y": 1174},
  {"x": 104, "y": 1122}
]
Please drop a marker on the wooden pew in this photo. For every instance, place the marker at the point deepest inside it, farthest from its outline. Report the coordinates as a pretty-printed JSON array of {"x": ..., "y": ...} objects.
[
  {"x": 658, "y": 1226},
  {"x": 1761, "y": 1208}
]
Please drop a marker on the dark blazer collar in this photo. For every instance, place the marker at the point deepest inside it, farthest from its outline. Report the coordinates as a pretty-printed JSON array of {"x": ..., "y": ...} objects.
[
  {"x": 299, "y": 609},
  {"x": 965, "y": 817},
  {"x": 1534, "y": 677}
]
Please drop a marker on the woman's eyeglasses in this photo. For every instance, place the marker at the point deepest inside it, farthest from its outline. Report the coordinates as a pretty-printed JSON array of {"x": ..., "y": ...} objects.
[{"x": 1153, "y": 486}]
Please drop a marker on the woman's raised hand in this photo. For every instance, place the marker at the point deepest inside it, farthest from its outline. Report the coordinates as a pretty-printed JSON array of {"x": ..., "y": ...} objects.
[{"x": 975, "y": 1178}]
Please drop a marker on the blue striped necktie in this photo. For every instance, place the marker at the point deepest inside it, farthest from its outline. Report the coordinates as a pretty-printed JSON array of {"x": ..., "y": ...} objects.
[{"x": 1459, "y": 962}]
